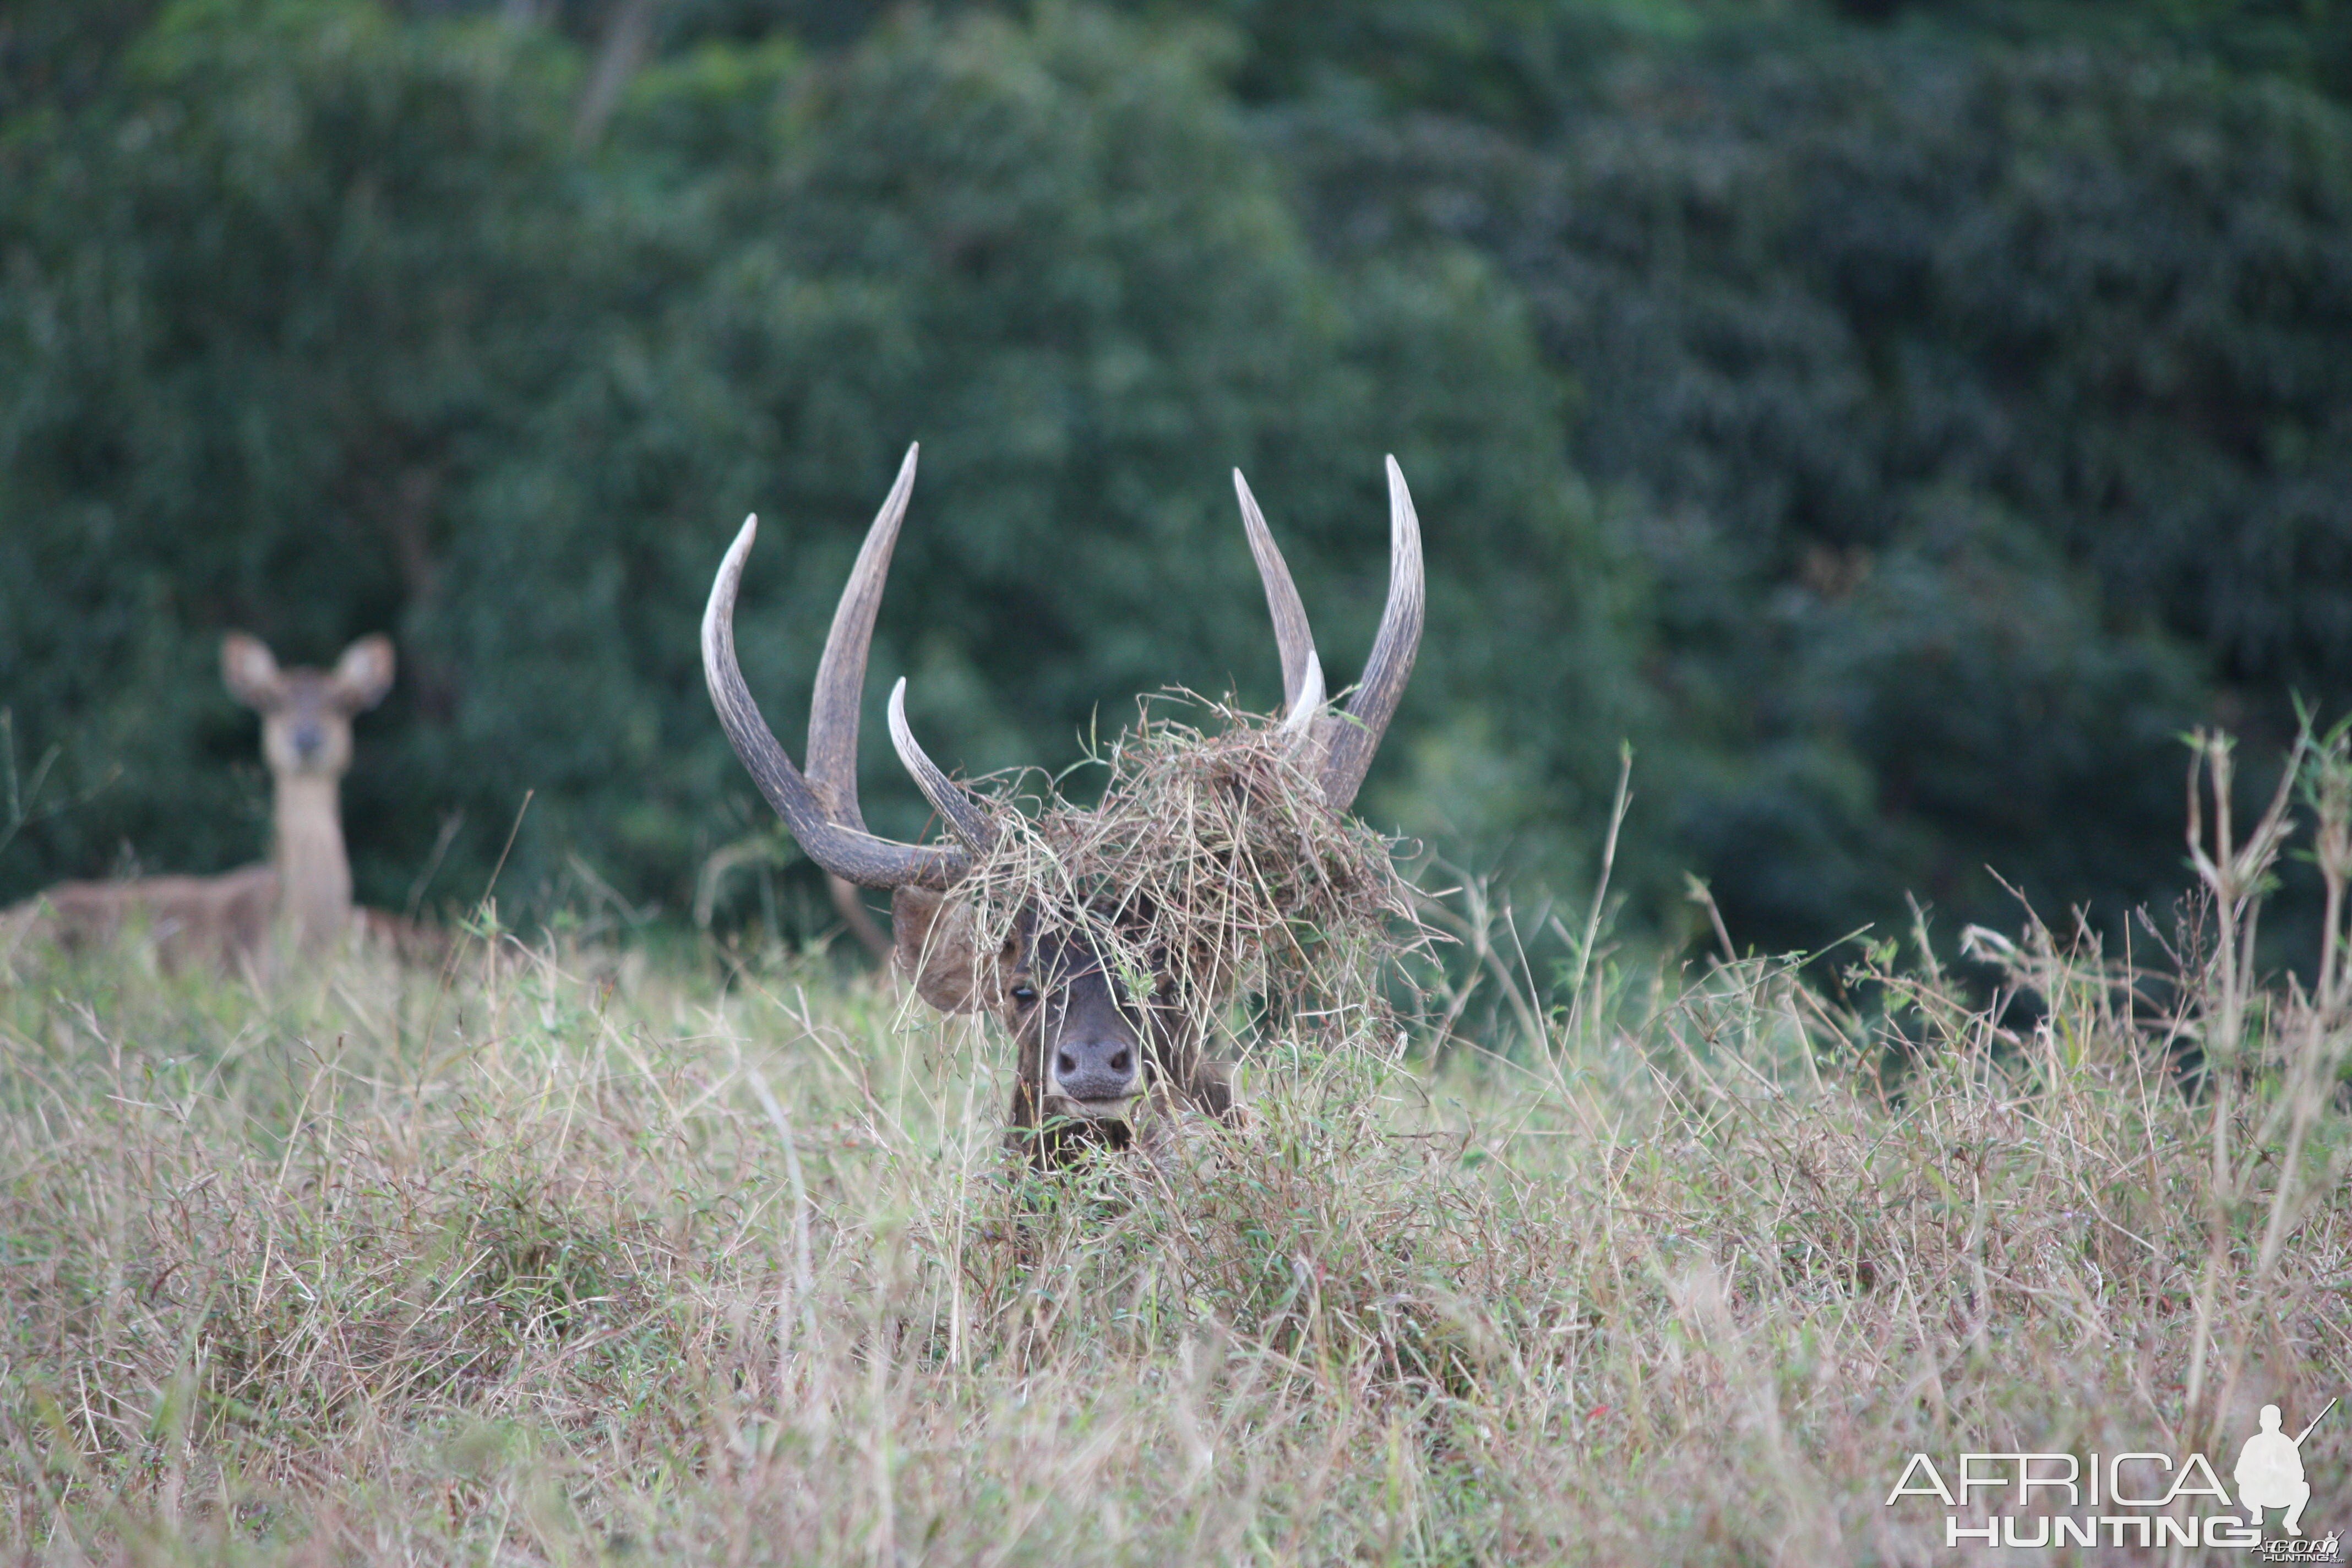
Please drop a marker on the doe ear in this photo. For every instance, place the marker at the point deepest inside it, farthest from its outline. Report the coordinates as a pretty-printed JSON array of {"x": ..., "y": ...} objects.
[
  {"x": 250, "y": 672},
  {"x": 363, "y": 674},
  {"x": 932, "y": 941}
]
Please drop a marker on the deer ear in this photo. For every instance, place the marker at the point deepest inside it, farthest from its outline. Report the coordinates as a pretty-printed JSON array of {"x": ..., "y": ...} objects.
[
  {"x": 363, "y": 674},
  {"x": 931, "y": 936},
  {"x": 249, "y": 671}
]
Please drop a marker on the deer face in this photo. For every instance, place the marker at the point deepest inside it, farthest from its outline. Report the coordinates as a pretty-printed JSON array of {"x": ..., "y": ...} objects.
[
  {"x": 305, "y": 714},
  {"x": 1089, "y": 1047},
  {"x": 1065, "y": 1013}
]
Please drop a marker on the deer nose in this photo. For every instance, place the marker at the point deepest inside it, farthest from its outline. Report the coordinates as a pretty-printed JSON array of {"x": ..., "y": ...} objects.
[
  {"x": 1098, "y": 1069},
  {"x": 308, "y": 739}
]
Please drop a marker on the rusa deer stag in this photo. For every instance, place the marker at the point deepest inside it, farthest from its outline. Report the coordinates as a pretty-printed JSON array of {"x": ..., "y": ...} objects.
[
  {"x": 1087, "y": 1052},
  {"x": 305, "y": 889}
]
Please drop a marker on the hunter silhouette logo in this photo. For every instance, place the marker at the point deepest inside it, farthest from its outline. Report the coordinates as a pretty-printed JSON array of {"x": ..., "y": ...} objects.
[{"x": 2270, "y": 1471}]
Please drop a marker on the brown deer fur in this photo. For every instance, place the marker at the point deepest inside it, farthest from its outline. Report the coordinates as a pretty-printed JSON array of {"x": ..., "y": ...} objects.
[
  {"x": 1047, "y": 983},
  {"x": 305, "y": 889}
]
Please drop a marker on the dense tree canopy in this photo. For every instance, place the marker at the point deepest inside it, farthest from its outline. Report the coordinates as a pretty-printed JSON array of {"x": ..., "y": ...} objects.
[
  {"x": 1987, "y": 417},
  {"x": 1898, "y": 421}
]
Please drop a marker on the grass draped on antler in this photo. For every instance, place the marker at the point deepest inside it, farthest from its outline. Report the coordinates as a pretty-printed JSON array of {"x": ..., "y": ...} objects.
[{"x": 1209, "y": 867}]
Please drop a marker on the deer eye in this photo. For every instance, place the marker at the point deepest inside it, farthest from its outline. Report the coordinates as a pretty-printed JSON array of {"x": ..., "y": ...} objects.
[{"x": 1024, "y": 995}]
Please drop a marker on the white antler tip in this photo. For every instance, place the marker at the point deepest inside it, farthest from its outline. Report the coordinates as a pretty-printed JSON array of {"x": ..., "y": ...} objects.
[
  {"x": 1404, "y": 527},
  {"x": 717, "y": 613},
  {"x": 902, "y": 735},
  {"x": 1310, "y": 699}
]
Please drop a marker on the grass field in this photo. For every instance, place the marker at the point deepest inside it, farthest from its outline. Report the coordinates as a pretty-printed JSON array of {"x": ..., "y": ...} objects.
[{"x": 586, "y": 1257}]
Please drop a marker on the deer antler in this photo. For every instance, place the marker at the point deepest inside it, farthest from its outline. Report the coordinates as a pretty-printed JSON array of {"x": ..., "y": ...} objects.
[
  {"x": 963, "y": 815},
  {"x": 1348, "y": 742},
  {"x": 821, "y": 809}
]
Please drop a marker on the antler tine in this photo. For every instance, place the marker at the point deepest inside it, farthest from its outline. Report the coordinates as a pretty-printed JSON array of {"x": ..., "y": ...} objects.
[
  {"x": 841, "y": 672},
  {"x": 847, "y": 852},
  {"x": 1299, "y": 723},
  {"x": 1358, "y": 737},
  {"x": 963, "y": 815},
  {"x": 1291, "y": 632}
]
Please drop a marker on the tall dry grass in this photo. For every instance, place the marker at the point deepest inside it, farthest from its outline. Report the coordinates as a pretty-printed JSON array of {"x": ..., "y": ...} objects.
[{"x": 583, "y": 1258}]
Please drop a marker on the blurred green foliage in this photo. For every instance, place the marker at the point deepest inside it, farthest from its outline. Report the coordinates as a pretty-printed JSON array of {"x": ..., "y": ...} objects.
[
  {"x": 1985, "y": 419},
  {"x": 1897, "y": 420}
]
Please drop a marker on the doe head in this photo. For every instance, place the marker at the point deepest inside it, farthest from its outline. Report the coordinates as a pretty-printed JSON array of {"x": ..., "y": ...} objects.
[{"x": 305, "y": 714}]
